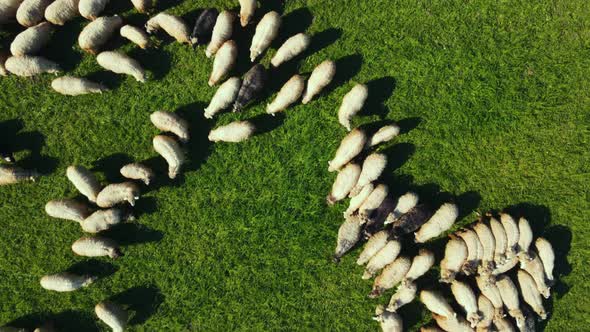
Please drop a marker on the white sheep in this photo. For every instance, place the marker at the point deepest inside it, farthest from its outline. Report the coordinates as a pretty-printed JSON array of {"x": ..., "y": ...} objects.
[
  {"x": 384, "y": 134},
  {"x": 120, "y": 63},
  {"x": 291, "y": 48},
  {"x": 102, "y": 220},
  {"x": 116, "y": 193},
  {"x": 382, "y": 258},
  {"x": 112, "y": 314},
  {"x": 373, "y": 167},
  {"x": 509, "y": 294},
  {"x": 405, "y": 294},
  {"x": 96, "y": 33},
  {"x": 61, "y": 11},
  {"x": 391, "y": 275},
  {"x": 372, "y": 247},
  {"x": 373, "y": 201},
  {"x": 547, "y": 256},
  {"x": 91, "y": 9},
  {"x": 530, "y": 293},
  {"x": 512, "y": 234},
  {"x": 466, "y": 298},
  {"x": 222, "y": 32},
  {"x": 486, "y": 237},
  {"x": 441, "y": 221},
  {"x": 224, "y": 97},
  {"x": 320, "y": 77},
  {"x": 436, "y": 303},
  {"x": 344, "y": 182},
  {"x": 487, "y": 310},
  {"x": 75, "y": 86},
  {"x": 8, "y": 10},
  {"x": 68, "y": 209},
  {"x": 31, "y": 40},
  {"x": 66, "y": 282},
  {"x": 351, "y": 145},
  {"x": 96, "y": 246},
  {"x": 266, "y": 31},
  {"x": 501, "y": 241},
  {"x": 31, "y": 65},
  {"x": 31, "y": 12},
  {"x": 137, "y": 171},
  {"x": 143, "y": 6},
  {"x": 288, "y": 95},
  {"x": 454, "y": 258},
  {"x": 349, "y": 234},
  {"x": 247, "y": 9},
  {"x": 13, "y": 174},
  {"x": 492, "y": 293},
  {"x": 85, "y": 181},
  {"x": 352, "y": 103},
  {"x": 357, "y": 200},
  {"x": 225, "y": 60},
  {"x": 388, "y": 320},
  {"x": 405, "y": 203},
  {"x": 171, "y": 122},
  {"x": 235, "y": 132},
  {"x": 420, "y": 265},
  {"x": 525, "y": 239},
  {"x": 168, "y": 148},
  {"x": 135, "y": 35},
  {"x": 172, "y": 25},
  {"x": 535, "y": 268}
]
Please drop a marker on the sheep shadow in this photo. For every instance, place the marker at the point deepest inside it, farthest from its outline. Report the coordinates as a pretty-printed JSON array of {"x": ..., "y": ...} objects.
[
  {"x": 265, "y": 123},
  {"x": 69, "y": 320},
  {"x": 127, "y": 234},
  {"x": 14, "y": 142},
  {"x": 379, "y": 92},
  {"x": 110, "y": 166},
  {"x": 143, "y": 301},
  {"x": 293, "y": 23},
  {"x": 347, "y": 67},
  {"x": 269, "y": 5},
  {"x": 408, "y": 124},
  {"x": 157, "y": 61},
  {"x": 323, "y": 39},
  {"x": 109, "y": 79},
  {"x": 93, "y": 267},
  {"x": 199, "y": 147},
  {"x": 63, "y": 47}
]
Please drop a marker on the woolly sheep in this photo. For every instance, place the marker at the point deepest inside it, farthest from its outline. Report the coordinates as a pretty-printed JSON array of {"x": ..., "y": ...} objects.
[
  {"x": 534, "y": 267},
  {"x": 525, "y": 239},
  {"x": 503, "y": 324},
  {"x": 473, "y": 254},
  {"x": 509, "y": 295},
  {"x": 547, "y": 256},
  {"x": 225, "y": 60},
  {"x": 96, "y": 33},
  {"x": 374, "y": 200},
  {"x": 102, "y": 220},
  {"x": 112, "y": 314},
  {"x": 68, "y": 209},
  {"x": 116, "y": 193},
  {"x": 204, "y": 26},
  {"x": 352, "y": 103},
  {"x": 384, "y": 134},
  {"x": 440, "y": 222},
  {"x": 13, "y": 174},
  {"x": 291, "y": 48},
  {"x": 405, "y": 203},
  {"x": 30, "y": 65},
  {"x": 252, "y": 86},
  {"x": 168, "y": 148},
  {"x": 501, "y": 240},
  {"x": 137, "y": 171},
  {"x": 171, "y": 122},
  {"x": 455, "y": 256},
  {"x": 31, "y": 12},
  {"x": 506, "y": 266},
  {"x": 420, "y": 265},
  {"x": 65, "y": 282},
  {"x": 373, "y": 167},
  {"x": 372, "y": 247},
  {"x": 289, "y": 94},
  {"x": 135, "y": 35},
  {"x": 120, "y": 63},
  {"x": 96, "y": 247},
  {"x": 389, "y": 321},
  {"x": 266, "y": 31},
  {"x": 8, "y": 10},
  {"x": 465, "y": 297},
  {"x": 247, "y": 9},
  {"x": 492, "y": 293},
  {"x": 84, "y": 181},
  {"x": 91, "y": 9},
  {"x": 487, "y": 310},
  {"x": 436, "y": 303},
  {"x": 486, "y": 237},
  {"x": 224, "y": 97},
  {"x": 404, "y": 294},
  {"x": 530, "y": 293},
  {"x": 31, "y": 40},
  {"x": 512, "y": 234},
  {"x": 351, "y": 145},
  {"x": 172, "y": 25},
  {"x": 391, "y": 275},
  {"x": 75, "y": 86},
  {"x": 375, "y": 221},
  {"x": 357, "y": 201},
  {"x": 382, "y": 258},
  {"x": 222, "y": 32},
  {"x": 452, "y": 323},
  {"x": 345, "y": 181},
  {"x": 61, "y": 11},
  {"x": 320, "y": 77},
  {"x": 143, "y": 6},
  {"x": 349, "y": 234},
  {"x": 235, "y": 132}
]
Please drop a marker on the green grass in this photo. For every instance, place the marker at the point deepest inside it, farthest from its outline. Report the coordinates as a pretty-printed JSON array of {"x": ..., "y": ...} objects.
[{"x": 492, "y": 98}]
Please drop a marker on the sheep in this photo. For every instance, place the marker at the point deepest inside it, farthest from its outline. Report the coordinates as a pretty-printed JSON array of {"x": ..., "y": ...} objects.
[
  {"x": 389, "y": 321},
  {"x": 372, "y": 247},
  {"x": 492, "y": 293},
  {"x": 266, "y": 31},
  {"x": 373, "y": 202},
  {"x": 405, "y": 203},
  {"x": 62, "y": 11},
  {"x": 487, "y": 310},
  {"x": 91, "y": 9},
  {"x": 452, "y": 324},
  {"x": 66, "y": 282},
  {"x": 13, "y": 174},
  {"x": 442, "y": 220},
  {"x": 357, "y": 201},
  {"x": 534, "y": 267},
  {"x": 3, "y": 57},
  {"x": 75, "y": 86},
  {"x": 320, "y": 77},
  {"x": 375, "y": 221},
  {"x": 204, "y": 26},
  {"x": 168, "y": 148},
  {"x": 112, "y": 314},
  {"x": 506, "y": 266},
  {"x": 235, "y": 132},
  {"x": 509, "y": 295},
  {"x": 473, "y": 254},
  {"x": 84, "y": 181},
  {"x": 547, "y": 256},
  {"x": 288, "y": 95},
  {"x": 404, "y": 294},
  {"x": 247, "y": 9},
  {"x": 68, "y": 209},
  {"x": 412, "y": 220},
  {"x": 349, "y": 234},
  {"x": 171, "y": 122},
  {"x": 31, "y": 12},
  {"x": 503, "y": 324},
  {"x": 8, "y": 10},
  {"x": 33, "y": 39},
  {"x": 222, "y": 32},
  {"x": 102, "y": 220},
  {"x": 135, "y": 35},
  {"x": 351, "y": 145},
  {"x": 291, "y": 48},
  {"x": 420, "y": 265},
  {"x": 116, "y": 193},
  {"x": 512, "y": 234},
  {"x": 252, "y": 86},
  {"x": 530, "y": 293},
  {"x": 96, "y": 247},
  {"x": 137, "y": 171},
  {"x": 224, "y": 97},
  {"x": 373, "y": 167},
  {"x": 352, "y": 103},
  {"x": 465, "y": 297},
  {"x": 431, "y": 328},
  {"x": 454, "y": 258},
  {"x": 486, "y": 237},
  {"x": 501, "y": 241},
  {"x": 31, "y": 65},
  {"x": 436, "y": 303},
  {"x": 172, "y": 25},
  {"x": 384, "y": 134},
  {"x": 143, "y": 6},
  {"x": 345, "y": 181},
  {"x": 382, "y": 258},
  {"x": 97, "y": 33},
  {"x": 525, "y": 239},
  {"x": 391, "y": 275},
  {"x": 224, "y": 62},
  {"x": 120, "y": 63}
]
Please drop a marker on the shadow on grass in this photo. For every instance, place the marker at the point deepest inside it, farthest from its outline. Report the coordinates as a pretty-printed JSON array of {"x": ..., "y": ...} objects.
[
  {"x": 133, "y": 233},
  {"x": 293, "y": 23},
  {"x": 347, "y": 67},
  {"x": 155, "y": 60},
  {"x": 63, "y": 47},
  {"x": 141, "y": 302},
  {"x": 379, "y": 92},
  {"x": 111, "y": 165},
  {"x": 31, "y": 143},
  {"x": 66, "y": 321},
  {"x": 93, "y": 267},
  {"x": 323, "y": 39}
]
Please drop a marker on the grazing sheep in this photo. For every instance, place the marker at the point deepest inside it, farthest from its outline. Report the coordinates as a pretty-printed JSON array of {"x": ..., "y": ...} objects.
[
  {"x": 357, "y": 201},
  {"x": 30, "y": 65},
  {"x": 405, "y": 293},
  {"x": 389, "y": 321},
  {"x": 436, "y": 303},
  {"x": 91, "y": 9},
  {"x": 382, "y": 258},
  {"x": 455, "y": 257},
  {"x": 31, "y": 12},
  {"x": 75, "y": 86},
  {"x": 31, "y": 40},
  {"x": 512, "y": 234},
  {"x": 68, "y": 209},
  {"x": 503, "y": 324},
  {"x": 120, "y": 63},
  {"x": 235, "y": 132},
  {"x": 384, "y": 134},
  {"x": 412, "y": 220},
  {"x": 487, "y": 310},
  {"x": 349, "y": 234},
  {"x": 465, "y": 297},
  {"x": 373, "y": 201},
  {"x": 492, "y": 293},
  {"x": 84, "y": 181},
  {"x": 222, "y": 32},
  {"x": 137, "y": 171},
  {"x": 486, "y": 237},
  {"x": 509, "y": 295},
  {"x": 96, "y": 33},
  {"x": 204, "y": 26},
  {"x": 112, "y": 314},
  {"x": 473, "y": 254},
  {"x": 61, "y": 11},
  {"x": 252, "y": 86},
  {"x": 405, "y": 203},
  {"x": 420, "y": 265},
  {"x": 266, "y": 31},
  {"x": 117, "y": 193},
  {"x": 102, "y": 220},
  {"x": 547, "y": 256},
  {"x": 3, "y": 57},
  {"x": 8, "y": 10},
  {"x": 14, "y": 174},
  {"x": 373, "y": 167},
  {"x": 65, "y": 282},
  {"x": 345, "y": 181},
  {"x": 391, "y": 275},
  {"x": 351, "y": 145},
  {"x": 247, "y": 9},
  {"x": 135, "y": 35},
  {"x": 168, "y": 148},
  {"x": 96, "y": 247},
  {"x": 288, "y": 95},
  {"x": 530, "y": 293},
  {"x": 505, "y": 267},
  {"x": 352, "y": 103},
  {"x": 143, "y": 6},
  {"x": 525, "y": 239},
  {"x": 172, "y": 25},
  {"x": 452, "y": 323},
  {"x": 224, "y": 97},
  {"x": 534, "y": 267},
  {"x": 501, "y": 241},
  {"x": 291, "y": 48},
  {"x": 224, "y": 62},
  {"x": 320, "y": 77},
  {"x": 372, "y": 247},
  {"x": 442, "y": 220},
  {"x": 171, "y": 122}
]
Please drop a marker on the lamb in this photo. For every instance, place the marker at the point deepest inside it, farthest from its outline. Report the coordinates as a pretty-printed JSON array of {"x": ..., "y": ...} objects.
[
  {"x": 320, "y": 77},
  {"x": 345, "y": 181},
  {"x": 349, "y": 234},
  {"x": 13, "y": 174},
  {"x": 405, "y": 294},
  {"x": 137, "y": 171},
  {"x": 84, "y": 181},
  {"x": 204, "y": 26},
  {"x": 97, "y": 33},
  {"x": 351, "y": 145},
  {"x": 67, "y": 209},
  {"x": 372, "y": 247},
  {"x": 75, "y": 86},
  {"x": 172, "y": 25},
  {"x": 465, "y": 296},
  {"x": 112, "y": 314},
  {"x": 30, "y": 65},
  {"x": 442, "y": 220},
  {"x": 382, "y": 258},
  {"x": 8, "y": 10},
  {"x": 389, "y": 321},
  {"x": 102, "y": 220},
  {"x": 247, "y": 9},
  {"x": 509, "y": 295},
  {"x": 373, "y": 202},
  {"x": 384, "y": 134},
  {"x": 291, "y": 48},
  {"x": 222, "y": 32},
  {"x": 91, "y": 9},
  {"x": 143, "y": 6},
  {"x": 117, "y": 193},
  {"x": 266, "y": 31},
  {"x": 235, "y": 132},
  {"x": 168, "y": 148},
  {"x": 547, "y": 256},
  {"x": 420, "y": 265},
  {"x": 31, "y": 12},
  {"x": 120, "y": 63},
  {"x": 357, "y": 201},
  {"x": 352, "y": 103},
  {"x": 391, "y": 275},
  {"x": 373, "y": 167},
  {"x": 171, "y": 122},
  {"x": 96, "y": 247},
  {"x": 66, "y": 282},
  {"x": 135, "y": 35},
  {"x": 530, "y": 293},
  {"x": 224, "y": 96},
  {"x": 405, "y": 203},
  {"x": 61, "y": 11},
  {"x": 288, "y": 95},
  {"x": 224, "y": 62},
  {"x": 252, "y": 86},
  {"x": 455, "y": 256}
]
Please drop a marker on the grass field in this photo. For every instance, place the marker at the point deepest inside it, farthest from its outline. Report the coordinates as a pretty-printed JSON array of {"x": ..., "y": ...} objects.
[{"x": 492, "y": 98}]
